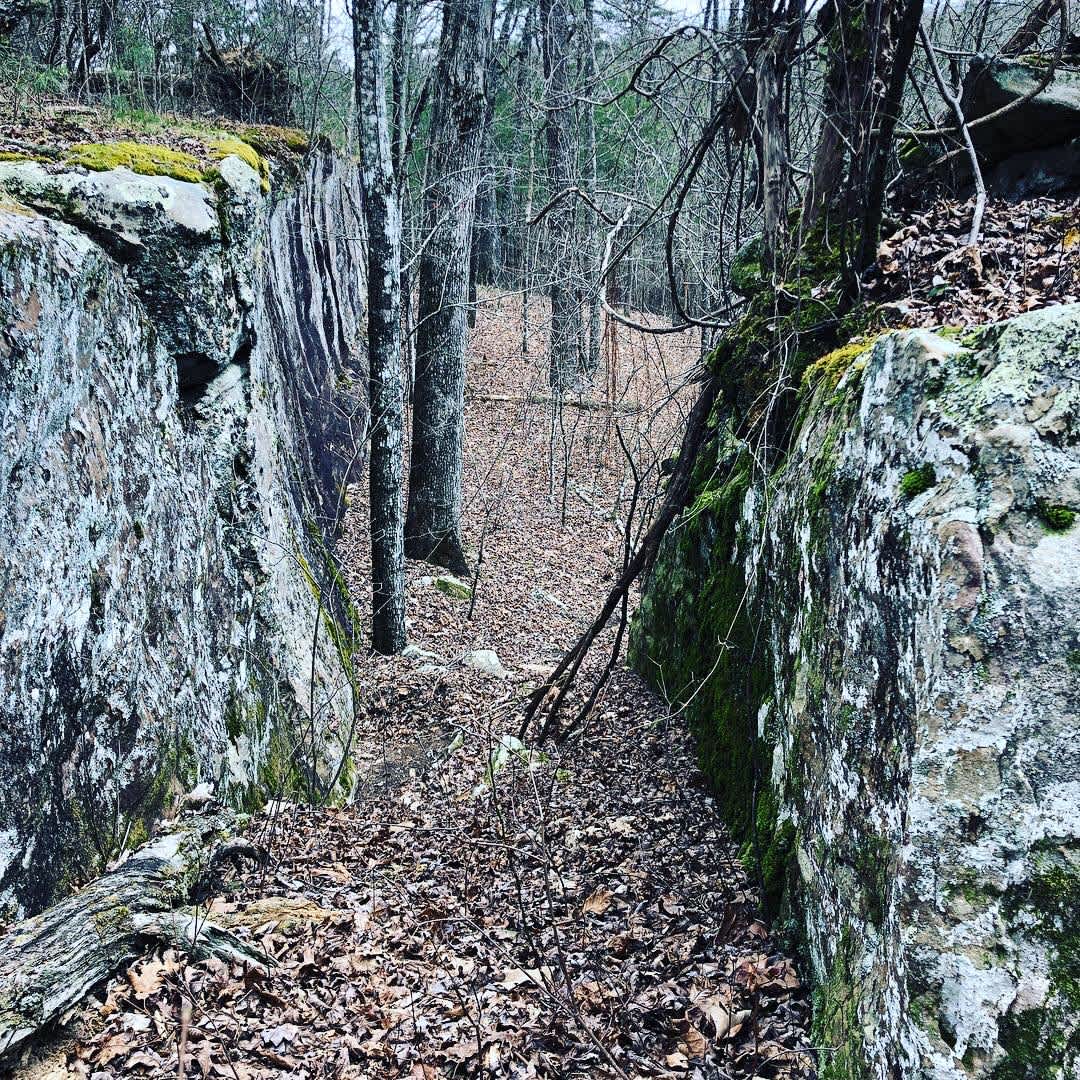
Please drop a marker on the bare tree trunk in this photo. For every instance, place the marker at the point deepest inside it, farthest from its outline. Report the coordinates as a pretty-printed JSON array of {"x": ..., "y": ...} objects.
[
  {"x": 382, "y": 215},
  {"x": 594, "y": 245},
  {"x": 1028, "y": 33},
  {"x": 566, "y": 326},
  {"x": 775, "y": 167},
  {"x": 908, "y": 20},
  {"x": 527, "y": 246},
  {"x": 433, "y": 524}
]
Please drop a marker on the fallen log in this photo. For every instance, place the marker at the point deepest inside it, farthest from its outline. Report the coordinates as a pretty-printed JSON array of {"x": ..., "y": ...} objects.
[{"x": 50, "y": 962}]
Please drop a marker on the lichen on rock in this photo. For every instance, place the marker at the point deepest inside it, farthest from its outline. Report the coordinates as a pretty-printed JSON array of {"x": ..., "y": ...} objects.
[
  {"x": 176, "y": 414},
  {"x": 872, "y": 639}
]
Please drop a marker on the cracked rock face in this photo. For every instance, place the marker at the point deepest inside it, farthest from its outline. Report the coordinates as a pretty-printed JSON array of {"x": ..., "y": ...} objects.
[
  {"x": 913, "y": 578},
  {"x": 177, "y": 422}
]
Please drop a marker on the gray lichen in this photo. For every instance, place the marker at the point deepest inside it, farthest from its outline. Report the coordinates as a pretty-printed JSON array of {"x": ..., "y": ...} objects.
[
  {"x": 175, "y": 418},
  {"x": 870, "y": 640}
]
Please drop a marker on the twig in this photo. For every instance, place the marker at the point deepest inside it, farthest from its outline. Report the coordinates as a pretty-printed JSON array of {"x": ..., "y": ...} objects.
[
  {"x": 181, "y": 1049},
  {"x": 958, "y": 111}
]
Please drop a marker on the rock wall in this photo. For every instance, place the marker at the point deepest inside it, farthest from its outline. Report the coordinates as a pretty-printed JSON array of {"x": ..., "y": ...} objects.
[
  {"x": 878, "y": 645},
  {"x": 177, "y": 422}
]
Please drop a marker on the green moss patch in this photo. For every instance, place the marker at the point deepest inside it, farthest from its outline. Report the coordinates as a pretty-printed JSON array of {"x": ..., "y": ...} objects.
[
  {"x": 1056, "y": 518},
  {"x": 914, "y": 482},
  {"x": 833, "y": 366},
  {"x": 836, "y": 1028},
  {"x": 229, "y": 146},
  {"x": 696, "y": 641},
  {"x": 270, "y": 137},
  {"x": 746, "y": 273},
  {"x": 147, "y": 160},
  {"x": 1044, "y": 1042}
]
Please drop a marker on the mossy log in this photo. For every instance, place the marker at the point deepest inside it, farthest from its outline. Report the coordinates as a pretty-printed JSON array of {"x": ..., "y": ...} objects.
[{"x": 50, "y": 962}]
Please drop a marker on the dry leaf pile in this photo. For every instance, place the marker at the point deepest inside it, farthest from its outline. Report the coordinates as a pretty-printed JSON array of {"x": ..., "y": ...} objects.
[
  {"x": 1028, "y": 256},
  {"x": 486, "y": 914}
]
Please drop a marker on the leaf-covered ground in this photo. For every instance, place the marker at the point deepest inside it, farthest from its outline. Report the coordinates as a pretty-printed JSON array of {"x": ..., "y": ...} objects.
[
  {"x": 480, "y": 909},
  {"x": 1028, "y": 256}
]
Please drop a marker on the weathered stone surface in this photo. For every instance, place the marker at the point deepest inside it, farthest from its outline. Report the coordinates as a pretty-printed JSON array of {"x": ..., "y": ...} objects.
[
  {"x": 1032, "y": 149},
  {"x": 880, "y": 647},
  {"x": 1050, "y": 118},
  {"x": 177, "y": 419},
  {"x": 486, "y": 661},
  {"x": 453, "y": 587}
]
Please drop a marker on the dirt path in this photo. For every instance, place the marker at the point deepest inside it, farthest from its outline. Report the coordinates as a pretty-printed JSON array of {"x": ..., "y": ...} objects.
[{"x": 481, "y": 909}]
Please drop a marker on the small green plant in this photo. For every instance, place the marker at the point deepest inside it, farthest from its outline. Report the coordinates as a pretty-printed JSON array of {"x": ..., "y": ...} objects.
[
  {"x": 916, "y": 481},
  {"x": 1056, "y": 518}
]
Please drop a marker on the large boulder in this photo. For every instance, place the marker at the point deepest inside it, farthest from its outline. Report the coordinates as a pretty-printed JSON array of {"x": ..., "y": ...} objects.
[
  {"x": 879, "y": 648},
  {"x": 178, "y": 415},
  {"x": 1034, "y": 148},
  {"x": 1050, "y": 118}
]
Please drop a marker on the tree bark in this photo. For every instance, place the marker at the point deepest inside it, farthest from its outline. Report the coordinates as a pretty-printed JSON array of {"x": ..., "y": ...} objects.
[
  {"x": 433, "y": 522},
  {"x": 594, "y": 244},
  {"x": 908, "y": 19},
  {"x": 775, "y": 167},
  {"x": 382, "y": 216},
  {"x": 50, "y": 962},
  {"x": 566, "y": 322}
]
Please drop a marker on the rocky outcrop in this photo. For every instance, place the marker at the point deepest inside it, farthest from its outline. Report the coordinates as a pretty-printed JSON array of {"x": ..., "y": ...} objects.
[
  {"x": 1033, "y": 147},
  {"x": 179, "y": 365},
  {"x": 878, "y": 645}
]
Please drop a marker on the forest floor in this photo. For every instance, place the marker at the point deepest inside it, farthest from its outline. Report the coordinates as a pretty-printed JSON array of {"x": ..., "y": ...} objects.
[{"x": 480, "y": 909}]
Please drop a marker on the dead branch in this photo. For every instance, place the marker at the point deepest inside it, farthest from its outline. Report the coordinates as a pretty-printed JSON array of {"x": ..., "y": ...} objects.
[
  {"x": 953, "y": 100},
  {"x": 548, "y": 698}
]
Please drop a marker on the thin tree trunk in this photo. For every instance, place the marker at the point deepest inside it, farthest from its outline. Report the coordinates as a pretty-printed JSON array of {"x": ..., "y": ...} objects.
[
  {"x": 527, "y": 245},
  {"x": 908, "y": 21},
  {"x": 775, "y": 168},
  {"x": 382, "y": 215},
  {"x": 566, "y": 325},
  {"x": 433, "y": 523},
  {"x": 595, "y": 247}
]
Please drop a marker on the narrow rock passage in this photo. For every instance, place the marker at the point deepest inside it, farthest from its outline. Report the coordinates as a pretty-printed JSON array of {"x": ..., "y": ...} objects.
[{"x": 483, "y": 909}]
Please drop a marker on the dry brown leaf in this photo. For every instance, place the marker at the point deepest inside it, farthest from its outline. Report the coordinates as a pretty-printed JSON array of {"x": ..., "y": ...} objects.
[
  {"x": 696, "y": 1043},
  {"x": 598, "y": 902}
]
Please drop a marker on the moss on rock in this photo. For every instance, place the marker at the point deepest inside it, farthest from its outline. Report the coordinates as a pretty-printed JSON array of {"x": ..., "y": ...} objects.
[
  {"x": 1056, "y": 518},
  {"x": 146, "y": 159},
  {"x": 837, "y": 1030},
  {"x": 915, "y": 481},
  {"x": 833, "y": 366},
  {"x": 231, "y": 146},
  {"x": 694, "y": 639},
  {"x": 1044, "y": 1042}
]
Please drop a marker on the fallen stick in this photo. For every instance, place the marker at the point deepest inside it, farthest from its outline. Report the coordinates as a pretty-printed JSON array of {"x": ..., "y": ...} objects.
[
  {"x": 546, "y": 399},
  {"x": 50, "y": 962}
]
